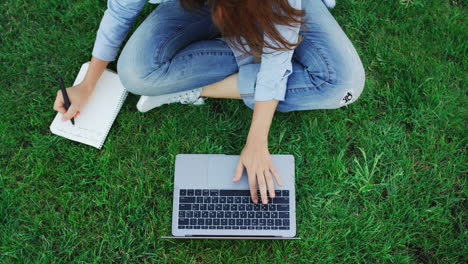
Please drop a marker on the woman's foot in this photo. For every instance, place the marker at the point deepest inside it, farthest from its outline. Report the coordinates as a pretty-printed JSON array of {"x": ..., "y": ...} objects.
[{"x": 147, "y": 103}]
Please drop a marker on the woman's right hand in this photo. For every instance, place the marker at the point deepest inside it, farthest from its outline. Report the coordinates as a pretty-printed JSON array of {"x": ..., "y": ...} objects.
[{"x": 78, "y": 95}]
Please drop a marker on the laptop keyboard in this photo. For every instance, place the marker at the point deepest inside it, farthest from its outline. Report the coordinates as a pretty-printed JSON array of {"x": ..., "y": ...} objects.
[{"x": 231, "y": 210}]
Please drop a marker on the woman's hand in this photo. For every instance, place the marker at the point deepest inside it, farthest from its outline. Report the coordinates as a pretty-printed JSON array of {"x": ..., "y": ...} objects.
[
  {"x": 78, "y": 95},
  {"x": 256, "y": 158}
]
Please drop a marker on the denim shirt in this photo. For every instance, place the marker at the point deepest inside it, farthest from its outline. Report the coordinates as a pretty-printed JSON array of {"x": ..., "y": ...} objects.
[{"x": 275, "y": 67}]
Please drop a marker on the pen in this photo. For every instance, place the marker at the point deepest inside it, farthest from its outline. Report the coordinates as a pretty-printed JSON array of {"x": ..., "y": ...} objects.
[{"x": 65, "y": 97}]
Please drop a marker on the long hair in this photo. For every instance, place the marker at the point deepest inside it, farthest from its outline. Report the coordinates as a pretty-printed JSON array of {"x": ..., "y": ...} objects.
[{"x": 250, "y": 20}]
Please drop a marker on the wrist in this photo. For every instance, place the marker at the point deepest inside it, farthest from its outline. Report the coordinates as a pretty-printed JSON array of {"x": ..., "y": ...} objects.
[{"x": 257, "y": 139}]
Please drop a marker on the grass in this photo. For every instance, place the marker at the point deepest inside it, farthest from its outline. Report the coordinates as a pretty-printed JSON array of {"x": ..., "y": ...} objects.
[{"x": 381, "y": 181}]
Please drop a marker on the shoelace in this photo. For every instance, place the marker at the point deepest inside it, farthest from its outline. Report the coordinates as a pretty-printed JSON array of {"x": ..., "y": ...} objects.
[{"x": 191, "y": 96}]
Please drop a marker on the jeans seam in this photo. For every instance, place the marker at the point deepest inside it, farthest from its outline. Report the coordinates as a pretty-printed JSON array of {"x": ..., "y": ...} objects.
[
  {"x": 323, "y": 58},
  {"x": 175, "y": 33}
]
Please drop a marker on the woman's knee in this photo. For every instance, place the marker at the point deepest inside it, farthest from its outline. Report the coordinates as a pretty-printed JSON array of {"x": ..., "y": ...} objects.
[
  {"x": 347, "y": 81},
  {"x": 137, "y": 74}
]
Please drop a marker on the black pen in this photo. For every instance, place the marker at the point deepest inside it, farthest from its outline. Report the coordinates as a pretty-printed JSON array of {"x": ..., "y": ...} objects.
[{"x": 65, "y": 97}]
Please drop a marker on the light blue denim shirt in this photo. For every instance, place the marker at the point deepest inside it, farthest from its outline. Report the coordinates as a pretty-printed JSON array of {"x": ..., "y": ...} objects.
[{"x": 274, "y": 71}]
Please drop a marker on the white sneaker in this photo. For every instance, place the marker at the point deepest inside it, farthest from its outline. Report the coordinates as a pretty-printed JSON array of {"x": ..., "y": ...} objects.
[
  {"x": 329, "y": 3},
  {"x": 147, "y": 103}
]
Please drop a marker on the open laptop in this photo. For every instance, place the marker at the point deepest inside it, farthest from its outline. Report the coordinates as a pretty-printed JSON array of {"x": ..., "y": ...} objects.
[{"x": 207, "y": 204}]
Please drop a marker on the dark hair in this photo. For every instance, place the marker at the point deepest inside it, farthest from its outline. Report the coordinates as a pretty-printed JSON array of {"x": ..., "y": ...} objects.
[{"x": 250, "y": 19}]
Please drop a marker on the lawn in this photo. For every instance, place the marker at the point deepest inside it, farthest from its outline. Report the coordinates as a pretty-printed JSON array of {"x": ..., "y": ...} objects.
[{"x": 380, "y": 181}]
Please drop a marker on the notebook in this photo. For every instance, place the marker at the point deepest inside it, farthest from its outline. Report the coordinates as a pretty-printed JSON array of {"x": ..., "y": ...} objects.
[{"x": 98, "y": 114}]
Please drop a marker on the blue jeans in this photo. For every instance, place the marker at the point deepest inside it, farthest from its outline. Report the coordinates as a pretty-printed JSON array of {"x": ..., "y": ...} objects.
[{"x": 174, "y": 50}]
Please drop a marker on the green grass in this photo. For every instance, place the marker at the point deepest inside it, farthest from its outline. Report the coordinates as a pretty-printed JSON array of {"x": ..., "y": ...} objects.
[{"x": 381, "y": 181}]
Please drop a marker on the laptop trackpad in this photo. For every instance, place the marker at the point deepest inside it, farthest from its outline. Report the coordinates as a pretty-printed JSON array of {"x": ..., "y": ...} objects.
[{"x": 221, "y": 171}]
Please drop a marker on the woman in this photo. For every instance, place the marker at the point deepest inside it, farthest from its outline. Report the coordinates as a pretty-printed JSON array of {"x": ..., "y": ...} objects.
[{"x": 284, "y": 55}]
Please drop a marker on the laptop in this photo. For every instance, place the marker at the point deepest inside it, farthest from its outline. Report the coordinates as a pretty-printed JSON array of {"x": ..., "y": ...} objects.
[{"x": 208, "y": 205}]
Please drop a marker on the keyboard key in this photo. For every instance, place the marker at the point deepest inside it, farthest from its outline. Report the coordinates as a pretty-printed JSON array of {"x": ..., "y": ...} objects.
[
  {"x": 206, "y": 199},
  {"x": 181, "y": 227},
  {"x": 274, "y": 215},
  {"x": 206, "y": 192},
  {"x": 212, "y": 227},
  {"x": 182, "y": 214},
  {"x": 199, "y": 199},
  {"x": 224, "y": 221},
  {"x": 205, "y": 214},
  {"x": 249, "y": 207},
  {"x": 230, "y": 200},
  {"x": 284, "y": 215},
  {"x": 195, "y": 207},
  {"x": 254, "y": 222},
  {"x": 212, "y": 214},
  {"x": 226, "y": 207},
  {"x": 250, "y": 214},
  {"x": 278, "y": 222},
  {"x": 247, "y": 222},
  {"x": 235, "y": 227},
  {"x": 234, "y": 193},
  {"x": 218, "y": 207},
  {"x": 189, "y": 214},
  {"x": 210, "y": 207},
  {"x": 214, "y": 192},
  {"x": 203, "y": 207},
  {"x": 228, "y": 227},
  {"x": 277, "y": 193},
  {"x": 197, "y": 192},
  {"x": 271, "y": 207},
  {"x": 222, "y": 200},
  {"x": 264, "y": 207},
  {"x": 227, "y": 214},
  {"x": 245, "y": 200},
  {"x": 241, "y": 207},
  {"x": 214, "y": 200},
  {"x": 237, "y": 200},
  {"x": 235, "y": 215},
  {"x": 281, "y": 200},
  {"x": 204, "y": 227},
  {"x": 262, "y": 222},
  {"x": 232, "y": 222},
  {"x": 243, "y": 227},
  {"x": 183, "y": 221},
  {"x": 256, "y": 207},
  {"x": 285, "y": 222},
  {"x": 239, "y": 222},
  {"x": 270, "y": 222},
  {"x": 258, "y": 215},
  {"x": 190, "y": 192},
  {"x": 193, "y": 221},
  {"x": 196, "y": 227},
  {"x": 220, "y": 227},
  {"x": 233, "y": 207},
  {"x": 284, "y": 227},
  {"x": 266, "y": 214},
  {"x": 220, "y": 214},
  {"x": 208, "y": 222},
  {"x": 201, "y": 221},
  {"x": 285, "y": 193},
  {"x": 243, "y": 214},
  {"x": 185, "y": 206},
  {"x": 182, "y": 192},
  {"x": 216, "y": 222},
  {"x": 282, "y": 207},
  {"x": 197, "y": 214}
]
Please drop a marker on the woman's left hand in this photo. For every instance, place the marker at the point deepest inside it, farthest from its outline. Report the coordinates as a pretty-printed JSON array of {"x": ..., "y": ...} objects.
[{"x": 256, "y": 158}]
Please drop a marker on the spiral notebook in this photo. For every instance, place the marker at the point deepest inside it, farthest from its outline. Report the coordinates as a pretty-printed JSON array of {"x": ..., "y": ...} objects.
[{"x": 98, "y": 114}]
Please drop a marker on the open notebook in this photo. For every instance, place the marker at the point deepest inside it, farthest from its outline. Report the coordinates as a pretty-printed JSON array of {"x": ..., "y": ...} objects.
[{"x": 98, "y": 114}]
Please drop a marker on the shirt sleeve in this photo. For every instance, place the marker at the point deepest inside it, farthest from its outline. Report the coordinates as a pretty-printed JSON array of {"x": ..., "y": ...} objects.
[
  {"x": 276, "y": 67},
  {"x": 115, "y": 24}
]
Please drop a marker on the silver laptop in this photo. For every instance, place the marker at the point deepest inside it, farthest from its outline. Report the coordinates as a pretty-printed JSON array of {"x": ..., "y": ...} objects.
[{"x": 207, "y": 204}]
